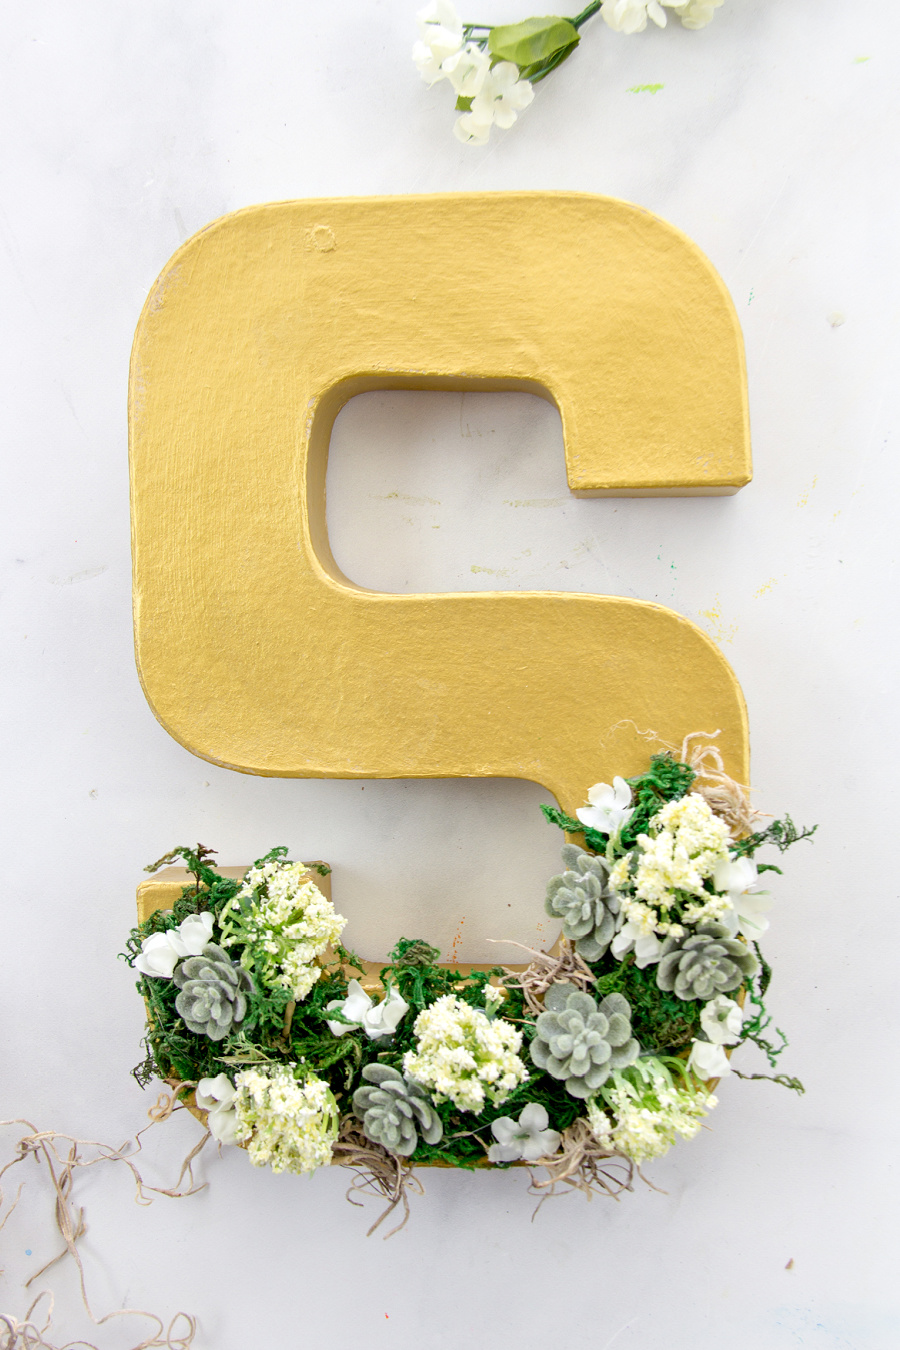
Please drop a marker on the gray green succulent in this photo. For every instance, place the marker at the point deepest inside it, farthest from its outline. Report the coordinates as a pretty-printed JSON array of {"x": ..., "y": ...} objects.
[
  {"x": 704, "y": 963},
  {"x": 212, "y": 999},
  {"x": 581, "y": 898},
  {"x": 580, "y": 1041},
  {"x": 395, "y": 1111}
]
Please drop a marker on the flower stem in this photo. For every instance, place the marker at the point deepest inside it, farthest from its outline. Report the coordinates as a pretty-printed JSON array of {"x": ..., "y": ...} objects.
[{"x": 587, "y": 13}]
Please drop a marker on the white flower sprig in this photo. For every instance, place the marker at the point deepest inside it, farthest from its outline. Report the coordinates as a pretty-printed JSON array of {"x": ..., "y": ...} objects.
[
  {"x": 464, "y": 1057},
  {"x": 378, "y": 1020},
  {"x": 493, "y": 68}
]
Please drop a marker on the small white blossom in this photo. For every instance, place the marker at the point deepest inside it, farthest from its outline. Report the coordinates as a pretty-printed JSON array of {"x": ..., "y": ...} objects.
[
  {"x": 696, "y": 13},
  {"x": 493, "y": 997},
  {"x": 467, "y": 70},
  {"x": 377, "y": 1019},
  {"x": 290, "y": 1126},
  {"x": 216, "y": 1097},
  {"x": 722, "y": 1020},
  {"x": 463, "y": 1056},
  {"x": 610, "y": 807},
  {"x": 630, "y": 16},
  {"x": 647, "y": 947},
  {"x": 526, "y": 1139},
  {"x": 440, "y": 34},
  {"x": 708, "y": 1061},
  {"x": 499, "y": 100},
  {"x": 737, "y": 878},
  {"x": 161, "y": 952}
]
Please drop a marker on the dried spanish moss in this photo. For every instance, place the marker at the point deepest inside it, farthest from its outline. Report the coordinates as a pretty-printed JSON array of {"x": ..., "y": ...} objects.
[
  {"x": 584, "y": 1165},
  {"x": 546, "y": 969},
  {"x": 60, "y": 1156},
  {"x": 378, "y": 1173}
]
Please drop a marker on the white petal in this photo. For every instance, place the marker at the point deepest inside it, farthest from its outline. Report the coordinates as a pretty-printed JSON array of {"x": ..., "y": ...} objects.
[
  {"x": 708, "y": 1061},
  {"x": 534, "y": 1118},
  {"x": 647, "y": 950},
  {"x": 657, "y": 13},
  {"x": 211, "y": 1092},
  {"x": 504, "y": 1130},
  {"x": 192, "y": 934},
  {"x": 157, "y": 957},
  {"x": 222, "y": 1121},
  {"x": 540, "y": 1145},
  {"x": 471, "y": 131}
]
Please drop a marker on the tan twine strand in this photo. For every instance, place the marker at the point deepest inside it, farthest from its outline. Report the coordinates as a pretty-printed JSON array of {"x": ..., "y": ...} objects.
[
  {"x": 60, "y": 1155},
  {"x": 378, "y": 1173},
  {"x": 584, "y": 1165},
  {"x": 545, "y": 969},
  {"x": 726, "y": 797}
]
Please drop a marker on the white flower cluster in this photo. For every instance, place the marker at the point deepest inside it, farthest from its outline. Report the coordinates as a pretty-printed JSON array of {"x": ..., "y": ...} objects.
[
  {"x": 291, "y": 1126},
  {"x": 464, "y": 1057},
  {"x": 497, "y": 93},
  {"x": 649, "y": 1111},
  {"x": 686, "y": 843},
  {"x": 286, "y": 920},
  {"x": 630, "y": 16}
]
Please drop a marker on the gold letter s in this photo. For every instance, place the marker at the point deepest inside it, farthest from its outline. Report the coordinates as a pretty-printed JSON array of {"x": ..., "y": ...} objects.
[{"x": 255, "y": 651}]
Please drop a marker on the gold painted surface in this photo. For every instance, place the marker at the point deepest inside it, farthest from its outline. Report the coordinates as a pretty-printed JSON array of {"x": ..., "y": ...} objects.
[{"x": 254, "y": 651}]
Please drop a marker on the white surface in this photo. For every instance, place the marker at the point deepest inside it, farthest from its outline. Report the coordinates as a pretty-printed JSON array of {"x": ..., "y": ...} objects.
[{"x": 129, "y": 125}]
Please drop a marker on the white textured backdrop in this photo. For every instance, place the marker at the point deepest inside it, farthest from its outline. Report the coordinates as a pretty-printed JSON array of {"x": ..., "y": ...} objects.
[{"x": 128, "y": 125}]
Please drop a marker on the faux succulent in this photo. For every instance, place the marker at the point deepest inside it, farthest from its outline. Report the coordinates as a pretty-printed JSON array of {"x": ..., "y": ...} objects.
[
  {"x": 705, "y": 963},
  {"x": 394, "y": 1111},
  {"x": 212, "y": 997},
  {"x": 582, "y": 899},
  {"x": 580, "y": 1041}
]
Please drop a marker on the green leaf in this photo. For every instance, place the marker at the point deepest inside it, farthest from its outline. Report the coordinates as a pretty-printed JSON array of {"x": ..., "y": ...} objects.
[
  {"x": 533, "y": 41},
  {"x": 463, "y": 104}
]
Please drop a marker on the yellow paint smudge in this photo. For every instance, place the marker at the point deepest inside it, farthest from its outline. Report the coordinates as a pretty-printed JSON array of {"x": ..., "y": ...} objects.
[
  {"x": 718, "y": 629},
  {"x": 766, "y": 586},
  {"x": 805, "y": 498},
  {"x": 491, "y": 571}
]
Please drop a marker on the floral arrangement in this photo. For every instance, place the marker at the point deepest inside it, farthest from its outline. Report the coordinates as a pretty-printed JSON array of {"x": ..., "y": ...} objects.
[
  {"x": 493, "y": 69},
  {"x": 592, "y": 1058}
]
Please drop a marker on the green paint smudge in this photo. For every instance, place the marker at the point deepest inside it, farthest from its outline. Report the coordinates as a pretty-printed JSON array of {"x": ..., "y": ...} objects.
[{"x": 650, "y": 88}]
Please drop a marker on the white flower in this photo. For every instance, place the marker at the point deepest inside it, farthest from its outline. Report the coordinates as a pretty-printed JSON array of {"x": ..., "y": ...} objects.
[
  {"x": 630, "y": 16},
  {"x": 376, "y": 1019},
  {"x": 500, "y": 99},
  {"x": 467, "y": 70},
  {"x": 610, "y": 807},
  {"x": 525, "y": 1139},
  {"x": 463, "y": 1056},
  {"x": 472, "y": 130},
  {"x": 737, "y": 877},
  {"x": 647, "y": 947},
  {"x": 504, "y": 94},
  {"x": 721, "y": 1020},
  {"x": 708, "y": 1060},
  {"x": 161, "y": 952},
  {"x": 441, "y": 34},
  {"x": 696, "y": 13},
  {"x": 216, "y": 1097},
  {"x": 291, "y": 1126}
]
